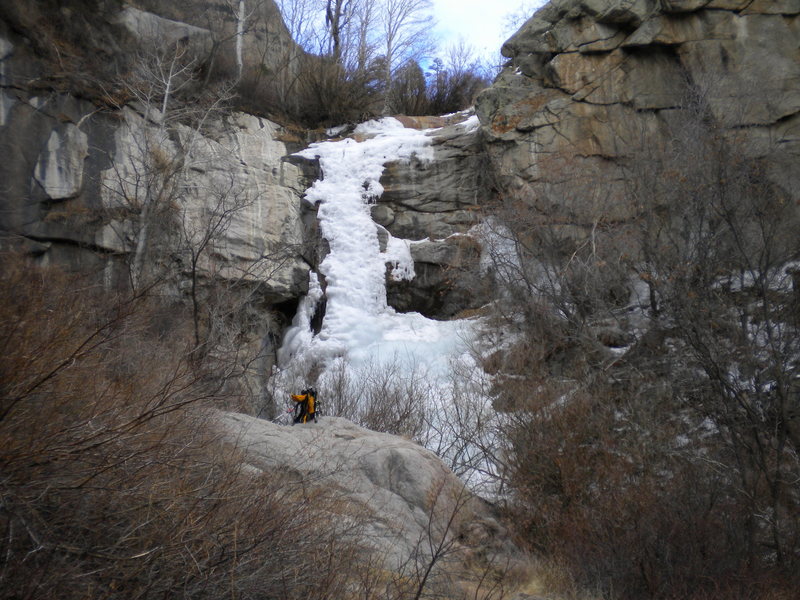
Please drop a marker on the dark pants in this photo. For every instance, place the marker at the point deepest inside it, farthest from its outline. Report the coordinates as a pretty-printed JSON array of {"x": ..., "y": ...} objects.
[{"x": 302, "y": 415}]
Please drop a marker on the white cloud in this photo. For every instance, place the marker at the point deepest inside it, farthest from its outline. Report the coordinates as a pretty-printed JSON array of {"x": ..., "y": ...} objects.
[{"x": 480, "y": 22}]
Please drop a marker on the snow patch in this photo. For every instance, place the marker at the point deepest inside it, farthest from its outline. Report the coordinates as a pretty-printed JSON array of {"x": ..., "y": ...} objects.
[
  {"x": 398, "y": 255},
  {"x": 300, "y": 334},
  {"x": 335, "y": 131},
  {"x": 470, "y": 125}
]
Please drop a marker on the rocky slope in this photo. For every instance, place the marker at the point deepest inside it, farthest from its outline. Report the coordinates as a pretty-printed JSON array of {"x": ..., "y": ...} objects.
[
  {"x": 589, "y": 80},
  {"x": 405, "y": 503}
]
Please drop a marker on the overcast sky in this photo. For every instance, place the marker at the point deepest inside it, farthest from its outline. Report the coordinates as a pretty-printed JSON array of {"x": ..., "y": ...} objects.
[{"x": 481, "y": 23}]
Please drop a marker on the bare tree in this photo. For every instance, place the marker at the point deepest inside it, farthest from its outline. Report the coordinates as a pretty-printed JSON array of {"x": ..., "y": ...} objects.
[
  {"x": 337, "y": 18},
  {"x": 456, "y": 79},
  {"x": 115, "y": 478},
  {"x": 299, "y": 17},
  {"x": 153, "y": 178},
  {"x": 717, "y": 249},
  {"x": 406, "y": 26}
]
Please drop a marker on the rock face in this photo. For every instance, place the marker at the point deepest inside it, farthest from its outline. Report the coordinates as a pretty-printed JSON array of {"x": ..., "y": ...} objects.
[
  {"x": 589, "y": 79},
  {"x": 105, "y": 170},
  {"x": 59, "y": 169},
  {"x": 230, "y": 179},
  {"x": 448, "y": 279},
  {"x": 227, "y": 212},
  {"x": 90, "y": 175},
  {"x": 152, "y": 30},
  {"x": 81, "y": 177},
  {"x": 263, "y": 45},
  {"x": 437, "y": 198},
  {"x": 436, "y": 203},
  {"x": 403, "y": 494}
]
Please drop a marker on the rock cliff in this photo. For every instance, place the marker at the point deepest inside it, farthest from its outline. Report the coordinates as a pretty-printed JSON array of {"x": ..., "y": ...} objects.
[
  {"x": 81, "y": 161},
  {"x": 436, "y": 198},
  {"x": 119, "y": 158},
  {"x": 73, "y": 175},
  {"x": 589, "y": 80},
  {"x": 264, "y": 43},
  {"x": 437, "y": 203}
]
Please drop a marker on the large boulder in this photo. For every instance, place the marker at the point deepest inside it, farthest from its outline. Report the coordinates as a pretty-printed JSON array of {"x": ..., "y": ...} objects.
[
  {"x": 408, "y": 502},
  {"x": 590, "y": 80}
]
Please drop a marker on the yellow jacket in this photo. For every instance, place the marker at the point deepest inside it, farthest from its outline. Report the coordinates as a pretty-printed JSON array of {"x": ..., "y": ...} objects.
[{"x": 310, "y": 408}]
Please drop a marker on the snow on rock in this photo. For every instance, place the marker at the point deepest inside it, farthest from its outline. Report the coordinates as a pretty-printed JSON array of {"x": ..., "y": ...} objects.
[
  {"x": 300, "y": 334},
  {"x": 361, "y": 336},
  {"x": 358, "y": 323},
  {"x": 398, "y": 255},
  {"x": 470, "y": 125}
]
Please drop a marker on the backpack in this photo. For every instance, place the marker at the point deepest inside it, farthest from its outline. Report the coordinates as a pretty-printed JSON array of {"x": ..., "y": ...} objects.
[
  {"x": 303, "y": 409},
  {"x": 313, "y": 393}
]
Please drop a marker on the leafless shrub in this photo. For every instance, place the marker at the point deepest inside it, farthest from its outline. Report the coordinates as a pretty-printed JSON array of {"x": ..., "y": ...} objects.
[
  {"x": 386, "y": 397},
  {"x": 450, "y": 85},
  {"x": 649, "y": 382},
  {"x": 453, "y": 418},
  {"x": 451, "y": 560},
  {"x": 112, "y": 480},
  {"x": 462, "y": 428}
]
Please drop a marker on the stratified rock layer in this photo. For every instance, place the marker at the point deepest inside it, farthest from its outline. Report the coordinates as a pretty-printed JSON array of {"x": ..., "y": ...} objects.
[
  {"x": 436, "y": 203},
  {"x": 440, "y": 197},
  {"x": 448, "y": 279},
  {"x": 90, "y": 175},
  {"x": 262, "y": 40},
  {"x": 589, "y": 80},
  {"x": 86, "y": 163}
]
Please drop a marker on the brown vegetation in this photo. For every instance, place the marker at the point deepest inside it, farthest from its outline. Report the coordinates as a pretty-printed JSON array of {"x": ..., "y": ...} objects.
[
  {"x": 112, "y": 482},
  {"x": 651, "y": 429}
]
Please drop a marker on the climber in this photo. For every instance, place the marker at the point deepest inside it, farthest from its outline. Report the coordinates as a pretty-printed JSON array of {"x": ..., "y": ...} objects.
[{"x": 306, "y": 405}]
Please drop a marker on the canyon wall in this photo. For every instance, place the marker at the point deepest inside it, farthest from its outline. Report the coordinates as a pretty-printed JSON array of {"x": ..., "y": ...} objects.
[{"x": 593, "y": 85}]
